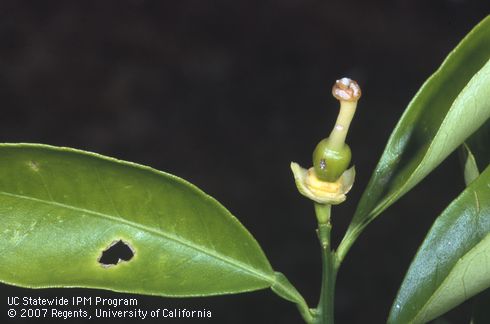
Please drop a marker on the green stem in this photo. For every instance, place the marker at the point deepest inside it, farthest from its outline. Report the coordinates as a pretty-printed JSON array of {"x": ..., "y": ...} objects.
[
  {"x": 346, "y": 243},
  {"x": 322, "y": 212},
  {"x": 324, "y": 313}
]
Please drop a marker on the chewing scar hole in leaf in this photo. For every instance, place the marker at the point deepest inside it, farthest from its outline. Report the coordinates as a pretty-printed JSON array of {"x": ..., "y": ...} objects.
[{"x": 116, "y": 252}]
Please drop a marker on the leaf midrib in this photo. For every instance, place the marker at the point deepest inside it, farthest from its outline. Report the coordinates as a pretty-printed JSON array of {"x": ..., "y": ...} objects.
[
  {"x": 405, "y": 187},
  {"x": 167, "y": 236}
]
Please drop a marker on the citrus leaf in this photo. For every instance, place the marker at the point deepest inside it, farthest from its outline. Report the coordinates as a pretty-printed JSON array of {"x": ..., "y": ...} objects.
[
  {"x": 475, "y": 153},
  {"x": 453, "y": 262},
  {"x": 480, "y": 312},
  {"x": 478, "y": 145},
  {"x": 451, "y": 105},
  {"x": 284, "y": 289},
  {"x": 61, "y": 209},
  {"x": 470, "y": 168}
]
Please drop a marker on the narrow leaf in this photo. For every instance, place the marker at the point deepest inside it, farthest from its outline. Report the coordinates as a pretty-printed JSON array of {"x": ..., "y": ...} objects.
[
  {"x": 478, "y": 144},
  {"x": 448, "y": 108},
  {"x": 480, "y": 312},
  {"x": 470, "y": 168},
  {"x": 62, "y": 211},
  {"x": 453, "y": 262}
]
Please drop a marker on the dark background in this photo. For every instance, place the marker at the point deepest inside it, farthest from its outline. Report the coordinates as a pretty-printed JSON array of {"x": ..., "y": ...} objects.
[{"x": 225, "y": 94}]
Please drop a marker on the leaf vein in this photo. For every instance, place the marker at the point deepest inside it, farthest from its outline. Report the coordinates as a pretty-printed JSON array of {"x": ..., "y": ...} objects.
[{"x": 175, "y": 239}]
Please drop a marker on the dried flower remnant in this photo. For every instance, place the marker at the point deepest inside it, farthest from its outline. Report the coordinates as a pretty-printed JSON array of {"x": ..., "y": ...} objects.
[{"x": 329, "y": 180}]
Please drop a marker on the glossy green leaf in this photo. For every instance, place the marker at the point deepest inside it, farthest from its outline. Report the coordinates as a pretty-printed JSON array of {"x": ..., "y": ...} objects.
[
  {"x": 453, "y": 262},
  {"x": 449, "y": 107},
  {"x": 283, "y": 288},
  {"x": 475, "y": 153},
  {"x": 480, "y": 312},
  {"x": 479, "y": 145},
  {"x": 61, "y": 208},
  {"x": 470, "y": 168}
]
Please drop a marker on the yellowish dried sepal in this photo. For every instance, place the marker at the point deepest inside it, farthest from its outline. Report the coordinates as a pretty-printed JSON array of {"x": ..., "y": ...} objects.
[{"x": 322, "y": 192}]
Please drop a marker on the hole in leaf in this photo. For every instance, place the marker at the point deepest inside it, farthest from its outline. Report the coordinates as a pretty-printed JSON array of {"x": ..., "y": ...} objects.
[{"x": 116, "y": 252}]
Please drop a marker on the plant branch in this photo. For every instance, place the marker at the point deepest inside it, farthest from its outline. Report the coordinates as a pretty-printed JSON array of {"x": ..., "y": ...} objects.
[
  {"x": 324, "y": 313},
  {"x": 346, "y": 243}
]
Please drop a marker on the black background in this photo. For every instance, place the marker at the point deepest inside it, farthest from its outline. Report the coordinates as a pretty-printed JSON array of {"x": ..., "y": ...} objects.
[{"x": 225, "y": 94}]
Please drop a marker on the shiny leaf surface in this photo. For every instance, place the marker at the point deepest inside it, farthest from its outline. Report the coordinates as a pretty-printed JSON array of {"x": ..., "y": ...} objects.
[
  {"x": 451, "y": 105},
  {"x": 479, "y": 145},
  {"x": 472, "y": 165},
  {"x": 61, "y": 209},
  {"x": 470, "y": 168},
  {"x": 453, "y": 262}
]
